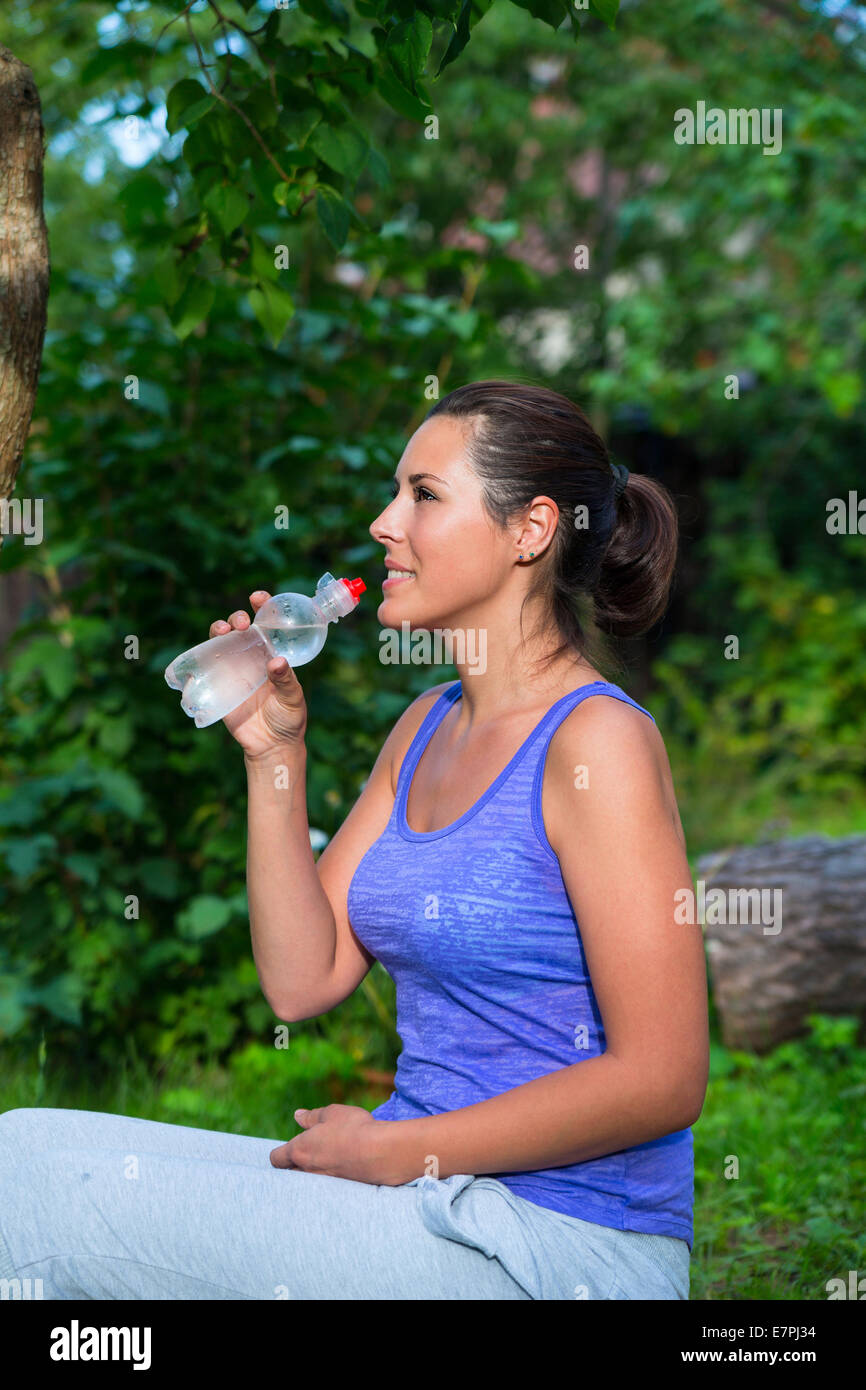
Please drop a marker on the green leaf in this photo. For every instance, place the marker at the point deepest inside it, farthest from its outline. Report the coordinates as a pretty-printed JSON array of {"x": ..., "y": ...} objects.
[
  {"x": 842, "y": 390},
  {"x": 297, "y": 60},
  {"x": 551, "y": 12},
  {"x": 342, "y": 148},
  {"x": 193, "y": 306},
  {"x": 170, "y": 275},
  {"x": 464, "y": 323},
  {"x": 273, "y": 307},
  {"x": 23, "y": 806},
  {"x": 470, "y": 13},
  {"x": 378, "y": 167},
  {"x": 115, "y": 735},
  {"x": 62, "y": 997},
  {"x": 408, "y": 46},
  {"x": 153, "y": 396},
  {"x": 500, "y": 233},
  {"x": 395, "y": 94},
  {"x": 143, "y": 201},
  {"x": 205, "y": 915},
  {"x": 197, "y": 110},
  {"x": 121, "y": 58},
  {"x": 262, "y": 262},
  {"x": 85, "y": 866},
  {"x": 14, "y": 1001},
  {"x": 288, "y": 195},
  {"x": 326, "y": 12},
  {"x": 297, "y": 126},
  {"x": 159, "y": 877},
  {"x": 121, "y": 790},
  {"x": 24, "y": 856},
  {"x": 333, "y": 214},
  {"x": 55, "y": 663},
  {"x": 228, "y": 205},
  {"x": 606, "y": 10},
  {"x": 183, "y": 96}
]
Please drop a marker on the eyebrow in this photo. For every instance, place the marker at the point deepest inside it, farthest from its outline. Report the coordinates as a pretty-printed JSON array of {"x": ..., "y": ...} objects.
[{"x": 416, "y": 478}]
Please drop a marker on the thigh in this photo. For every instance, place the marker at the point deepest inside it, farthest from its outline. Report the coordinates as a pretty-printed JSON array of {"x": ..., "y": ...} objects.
[
  {"x": 111, "y": 1207},
  {"x": 555, "y": 1256},
  {"x": 651, "y": 1267},
  {"x": 41, "y": 1129}
]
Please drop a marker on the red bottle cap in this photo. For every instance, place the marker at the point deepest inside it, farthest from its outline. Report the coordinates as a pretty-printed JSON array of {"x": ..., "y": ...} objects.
[{"x": 356, "y": 587}]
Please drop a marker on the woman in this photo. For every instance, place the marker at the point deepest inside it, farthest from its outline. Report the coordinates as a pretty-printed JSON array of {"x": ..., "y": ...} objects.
[{"x": 513, "y": 861}]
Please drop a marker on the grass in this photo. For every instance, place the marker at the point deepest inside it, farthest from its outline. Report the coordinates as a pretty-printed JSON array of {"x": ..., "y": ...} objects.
[
  {"x": 780, "y": 1162},
  {"x": 780, "y": 1168}
]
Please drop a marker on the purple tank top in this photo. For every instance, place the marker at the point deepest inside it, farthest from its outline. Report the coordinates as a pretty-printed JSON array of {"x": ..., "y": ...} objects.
[{"x": 474, "y": 925}]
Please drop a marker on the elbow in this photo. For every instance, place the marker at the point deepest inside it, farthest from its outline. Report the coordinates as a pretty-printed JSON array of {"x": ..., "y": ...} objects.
[
  {"x": 693, "y": 1110},
  {"x": 295, "y": 1014},
  {"x": 668, "y": 1105},
  {"x": 280, "y": 1011}
]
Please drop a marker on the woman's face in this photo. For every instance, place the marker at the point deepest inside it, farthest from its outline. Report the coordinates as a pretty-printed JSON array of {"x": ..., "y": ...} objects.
[{"x": 436, "y": 527}]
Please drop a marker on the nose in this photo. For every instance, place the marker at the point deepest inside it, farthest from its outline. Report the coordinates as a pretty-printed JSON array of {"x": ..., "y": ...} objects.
[{"x": 386, "y": 524}]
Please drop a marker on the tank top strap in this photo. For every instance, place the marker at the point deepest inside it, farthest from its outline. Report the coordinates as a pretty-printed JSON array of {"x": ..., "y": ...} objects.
[
  {"x": 558, "y": 712},
  {"x": 527, "y": 765},
  {"x": 423, "y": 734},
  {"x": 544, "y": 735}
]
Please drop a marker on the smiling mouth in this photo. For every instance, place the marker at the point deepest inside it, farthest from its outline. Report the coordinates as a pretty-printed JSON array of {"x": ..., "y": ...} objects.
[{"x": 397, "y": 577}]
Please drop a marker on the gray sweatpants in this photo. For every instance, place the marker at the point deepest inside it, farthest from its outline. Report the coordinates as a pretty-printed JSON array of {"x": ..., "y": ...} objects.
[{"x": 109, "y": 1207}]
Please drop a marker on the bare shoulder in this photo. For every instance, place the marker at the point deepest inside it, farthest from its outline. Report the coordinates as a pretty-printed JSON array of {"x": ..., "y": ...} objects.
[
  {"x": 407, "y": 726},
  {"x": 611, "y": 750}
]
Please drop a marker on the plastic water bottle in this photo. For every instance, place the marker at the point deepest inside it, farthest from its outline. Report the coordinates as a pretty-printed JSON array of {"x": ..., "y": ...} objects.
[{"x": 219, "y": 674}]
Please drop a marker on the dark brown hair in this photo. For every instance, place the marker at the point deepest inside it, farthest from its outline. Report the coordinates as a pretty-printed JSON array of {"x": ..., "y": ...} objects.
[{"x": 612, "y": 575}]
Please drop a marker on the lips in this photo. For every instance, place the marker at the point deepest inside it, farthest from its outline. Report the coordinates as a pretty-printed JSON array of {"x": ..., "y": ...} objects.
[{"x": 396, "y": 576}]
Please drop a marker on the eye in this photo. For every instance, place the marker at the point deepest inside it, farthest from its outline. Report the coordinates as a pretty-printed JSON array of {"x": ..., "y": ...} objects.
[{"x": 418, "y": 489}]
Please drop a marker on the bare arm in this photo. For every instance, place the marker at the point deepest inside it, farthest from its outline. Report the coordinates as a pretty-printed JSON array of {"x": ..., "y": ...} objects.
[
  {"x": 292, "y": 927},
  {"x": 307, "y": 956}
]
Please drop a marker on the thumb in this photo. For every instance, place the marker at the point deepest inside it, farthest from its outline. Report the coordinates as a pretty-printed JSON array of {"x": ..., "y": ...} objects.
[{"x": 281, "y": 673}]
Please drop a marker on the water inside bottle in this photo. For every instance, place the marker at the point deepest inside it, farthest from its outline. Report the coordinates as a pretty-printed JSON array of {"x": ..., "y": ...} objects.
[{"x": 297, "y": 644}]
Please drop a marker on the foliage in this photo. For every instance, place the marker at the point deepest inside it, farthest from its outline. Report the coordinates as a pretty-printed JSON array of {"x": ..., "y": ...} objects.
[
  {"x": 198, "y": 377},
  {"x": 781, "y": 1228}
]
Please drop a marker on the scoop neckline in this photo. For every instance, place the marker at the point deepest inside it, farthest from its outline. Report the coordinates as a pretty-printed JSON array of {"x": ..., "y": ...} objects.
[{"x": 448, "y": 698}]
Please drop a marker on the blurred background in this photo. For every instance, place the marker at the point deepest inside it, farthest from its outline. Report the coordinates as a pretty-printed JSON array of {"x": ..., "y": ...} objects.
[{"x": 196, "y": 379}]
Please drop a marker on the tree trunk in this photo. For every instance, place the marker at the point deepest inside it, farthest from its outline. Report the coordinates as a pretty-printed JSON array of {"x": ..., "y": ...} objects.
[
  {"x": 23, "y": 261},
  {"x": 798, "y": 948}
]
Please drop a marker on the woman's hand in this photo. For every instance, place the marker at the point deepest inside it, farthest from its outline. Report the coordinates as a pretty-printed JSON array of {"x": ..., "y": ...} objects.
[
  {"x": 343, "y": 1141},
  {"x": 275, "y": 715}
]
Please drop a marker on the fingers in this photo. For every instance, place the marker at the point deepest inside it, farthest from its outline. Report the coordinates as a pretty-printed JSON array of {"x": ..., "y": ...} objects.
[
  {"x": 280, "y": 1158},
  {"x": 240, "y": 619},
  {"x": 237, "y": 621},
  {"x": 279, "y": 670}
]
